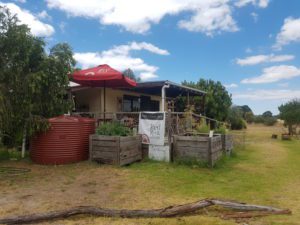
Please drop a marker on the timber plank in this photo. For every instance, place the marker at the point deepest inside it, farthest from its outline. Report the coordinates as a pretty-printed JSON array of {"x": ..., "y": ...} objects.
[{"x": 105, "y": 148}]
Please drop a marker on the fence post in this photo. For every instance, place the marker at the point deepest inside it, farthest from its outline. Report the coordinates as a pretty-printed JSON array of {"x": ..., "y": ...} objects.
[{"x": 210, "y": 159}]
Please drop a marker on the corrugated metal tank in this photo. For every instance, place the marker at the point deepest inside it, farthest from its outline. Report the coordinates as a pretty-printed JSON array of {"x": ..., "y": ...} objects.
[
  {"x": 87, "y": 128},
  {"x": 66, "y": 141}
]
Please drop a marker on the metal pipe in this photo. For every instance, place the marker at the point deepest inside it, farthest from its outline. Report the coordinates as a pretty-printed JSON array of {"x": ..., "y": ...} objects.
[{"x": 163, "y": 96}]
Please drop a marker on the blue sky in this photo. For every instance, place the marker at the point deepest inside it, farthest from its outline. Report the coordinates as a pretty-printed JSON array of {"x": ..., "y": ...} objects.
[{"x": 251, "y": 46}]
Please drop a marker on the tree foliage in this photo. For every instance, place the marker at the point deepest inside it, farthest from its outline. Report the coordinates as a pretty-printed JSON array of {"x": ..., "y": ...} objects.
[
  {"x": 130, "y": 74},
  {"x": 246, "y": 112},
  {"x": 267, "y": 114},
  {"x": 290, "y": 113},
  {"x": 33, "y": 84},
  {"x": 217, "y": 100},
  {"x": 235, "y": 117}
]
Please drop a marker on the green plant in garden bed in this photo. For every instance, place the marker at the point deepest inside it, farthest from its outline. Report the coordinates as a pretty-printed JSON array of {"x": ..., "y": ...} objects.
[
  {"x": 202, "y": 127},
  {"x": 113, "y": 129},
  {"x": 221, "y": 129}
]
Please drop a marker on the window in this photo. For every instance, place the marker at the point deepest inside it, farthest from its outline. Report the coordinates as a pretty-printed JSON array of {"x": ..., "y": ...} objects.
[{"x": 131, "y": 103}]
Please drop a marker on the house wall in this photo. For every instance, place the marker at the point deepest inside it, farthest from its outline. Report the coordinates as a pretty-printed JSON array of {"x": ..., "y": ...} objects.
[{"x": 93, "y": 98}]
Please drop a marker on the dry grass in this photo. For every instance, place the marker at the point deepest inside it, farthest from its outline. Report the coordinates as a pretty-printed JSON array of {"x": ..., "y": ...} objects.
[{"x": 265, "y": 172}]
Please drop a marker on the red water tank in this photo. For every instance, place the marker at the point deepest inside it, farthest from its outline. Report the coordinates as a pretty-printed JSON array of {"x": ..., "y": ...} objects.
[
  {"x": 87, "y": 128},
  {"x": 66, "y": 141}
]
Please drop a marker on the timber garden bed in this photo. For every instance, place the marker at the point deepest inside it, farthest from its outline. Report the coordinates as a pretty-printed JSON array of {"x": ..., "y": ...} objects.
[
  {"x": 200, "y": 148},
  {"x": 227, "y": 143},
  {"x": 115, "y": 150}
]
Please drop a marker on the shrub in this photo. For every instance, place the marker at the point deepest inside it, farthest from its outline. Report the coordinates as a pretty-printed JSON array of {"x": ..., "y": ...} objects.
[
  {"x": 221, "y": 130},
  {"x": 4, "y": 155},
  {"x": 202, "y": 127},
  {"x": 270, "y": 121},
  {"x": 113, "y": 129},
  {"x": 7, "y": 154},
  {"x": 259, "y": 119},
  {"x": 236, "y": 119}
]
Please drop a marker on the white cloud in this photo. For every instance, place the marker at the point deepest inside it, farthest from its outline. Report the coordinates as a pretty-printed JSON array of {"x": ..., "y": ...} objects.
[
  {"x": 273, "y": 94},
  {"x": 20, "y": 1},
  {"x": 258, "y": 59},
  {"x": 232, "y": 85},
  {"x": 44, "y": 15},
  {"x": 207, "y": 16},
  {"x": 259, "y": 3},
  {"x": 274, "y": 74},
  {"x": 210, "y": 20},
  {"x": 290, "y": 32},
  {"x": 254, "y": 16},
  {"x": 62, "y": 26},
  {"x": 248, "y": 50},
  {"x": 284, "y": 85},
  {"x": 37, "y": 27},
  {"x": 120, "y": 58}
]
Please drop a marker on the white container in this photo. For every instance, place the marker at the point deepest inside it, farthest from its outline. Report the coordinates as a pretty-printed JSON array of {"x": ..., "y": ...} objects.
[{"x": 159, "y": 152}]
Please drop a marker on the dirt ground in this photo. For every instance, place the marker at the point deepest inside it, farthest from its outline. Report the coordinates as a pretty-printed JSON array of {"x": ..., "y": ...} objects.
[{"x": 146, "y": 185}]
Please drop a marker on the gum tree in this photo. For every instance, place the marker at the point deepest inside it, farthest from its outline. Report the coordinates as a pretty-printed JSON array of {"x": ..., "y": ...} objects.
[
  {"x": 33, "y": 84},
  {"x": 290, "y": 113},
  {"x": 217, "y": 100}
]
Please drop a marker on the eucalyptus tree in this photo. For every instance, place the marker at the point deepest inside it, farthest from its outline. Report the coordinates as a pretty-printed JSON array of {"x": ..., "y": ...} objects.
[
  {"x": 290, "y": 113},
  {"x": 33, "y": 84},
  {"x": 217, "y": 100}
]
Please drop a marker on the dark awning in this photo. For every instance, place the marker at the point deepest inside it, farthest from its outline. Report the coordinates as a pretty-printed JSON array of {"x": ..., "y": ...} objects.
[{"x": 175, "y": 90}]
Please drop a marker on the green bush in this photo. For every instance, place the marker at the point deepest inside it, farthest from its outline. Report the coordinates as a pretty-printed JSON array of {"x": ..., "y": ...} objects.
[
  {"x": 238, "y": 124},
  {"x": 221, "y": 130},
  {"x": 235, "y": 119},
  {"x": 113, "y": 129},
  {"x": 270, "y": 121},
  {"x": 202, "y": 127},
  {"x": 258, "y": 119},
  {"x": 7, "y": 154},
  {"x": 4, "y": 155}
]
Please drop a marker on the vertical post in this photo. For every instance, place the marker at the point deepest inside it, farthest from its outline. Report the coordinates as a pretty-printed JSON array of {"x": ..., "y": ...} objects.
[
  {"x": 203, "y": 105},
  {"x": 163, "y": 96},
  {"x": 188, "y": 99},
  {"x": 209, "y": 153},
  {"x": 177, "y": 123},
  {"x": 104, "y": 101},
  {"x": 174, "y": 149}
]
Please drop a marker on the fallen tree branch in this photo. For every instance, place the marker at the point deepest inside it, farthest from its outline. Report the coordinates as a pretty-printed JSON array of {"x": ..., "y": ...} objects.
[
  {"x": 171, "y": 211},
  {"x": 247, "y": 215}
]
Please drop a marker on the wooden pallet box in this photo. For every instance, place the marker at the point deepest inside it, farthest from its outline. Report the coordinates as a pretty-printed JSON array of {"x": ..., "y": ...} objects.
[
  {"x": 115, "y": 150},
  {"x": 206, "y": 149},
  {"x": 227, "y": 143}
]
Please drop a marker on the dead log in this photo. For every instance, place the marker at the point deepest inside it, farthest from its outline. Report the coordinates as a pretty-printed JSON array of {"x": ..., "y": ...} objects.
[
  {"x": 243, "y": 206},
  {"x": 247, "y": 215},
  {"x": 171, "y": 211}
]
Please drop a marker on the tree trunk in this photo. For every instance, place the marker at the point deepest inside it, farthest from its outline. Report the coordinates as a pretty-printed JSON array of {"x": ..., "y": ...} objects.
[
  {"x": 290, "y": 127},
  {"x": 171, "y": 211}
]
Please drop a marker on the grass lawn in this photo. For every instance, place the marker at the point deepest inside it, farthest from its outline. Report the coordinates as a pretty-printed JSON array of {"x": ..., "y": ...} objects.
[{"x": 265, "y": 172}]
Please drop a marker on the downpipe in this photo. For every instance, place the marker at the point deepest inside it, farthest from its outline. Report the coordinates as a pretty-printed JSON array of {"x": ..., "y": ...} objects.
[{"x": 163, "y": 96}]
